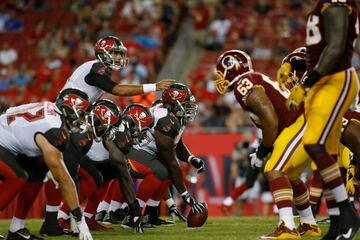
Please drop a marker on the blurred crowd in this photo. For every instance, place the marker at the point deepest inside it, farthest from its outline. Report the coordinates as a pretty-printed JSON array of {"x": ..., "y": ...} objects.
[
  {"x": 43, "y": 41},
  {"x": 265, "y": 29}
]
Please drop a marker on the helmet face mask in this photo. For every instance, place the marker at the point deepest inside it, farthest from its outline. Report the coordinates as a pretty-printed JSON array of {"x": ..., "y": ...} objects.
[
  {"x": 230, "y": 65},
  {"x": 111, "y": 52},
  {"x": 295, "y": 77},
  {"x": 103, "y": 117},
  {"x": 73, "y": 104},
  {"x": 180, "y": 101},
  {"x": 140, "y": 121}
]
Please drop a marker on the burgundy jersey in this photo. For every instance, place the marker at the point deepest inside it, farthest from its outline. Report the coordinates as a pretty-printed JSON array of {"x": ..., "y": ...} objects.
[
  {"x": 243, "y": 87},
  {"x": 315, "y": 34}
]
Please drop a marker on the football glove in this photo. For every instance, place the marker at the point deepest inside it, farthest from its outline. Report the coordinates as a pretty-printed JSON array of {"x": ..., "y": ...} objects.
[
  {"x": 297, "y": 95},
  {"x": 135, "y": 213},
  {"x": 80, "y": 229},
  {"x": 174, "y": 212},
  {"x": 351, "y": 181},
  {"x": 255, "y": 162},
  {"x": 197, "y": 163},
  {"x": 197, "y": 207},
  {"x": 283, "y": 74}
]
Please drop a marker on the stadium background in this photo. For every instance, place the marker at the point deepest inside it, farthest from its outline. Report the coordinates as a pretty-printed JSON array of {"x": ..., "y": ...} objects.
[{"x": 43, "y": 41}]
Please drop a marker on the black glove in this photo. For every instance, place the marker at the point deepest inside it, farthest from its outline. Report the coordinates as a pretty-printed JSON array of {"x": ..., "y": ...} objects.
[
  {"x": 135, "y": 213},
  {"x": 262, "y": 152},
  {"x": 197, "y": 163},
  {"x": 174, "y": 212},
  {"x": 195, "y": 206}
]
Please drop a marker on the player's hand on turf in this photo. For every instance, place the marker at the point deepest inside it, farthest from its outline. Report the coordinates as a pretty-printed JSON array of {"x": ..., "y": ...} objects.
[
  {"x": 174, "y": 212},
  {"x": 283, "y": 74},
  {"x": 197, "y": 207},
  {"x": 351, "y": 181},
  {"x": 297, "y": 95},
  {"x": 197, "y": 163},
  {"x": 84, "y": 232},
  {"x": 135, "y": 213},
  {"x": 164, "y": 84}
]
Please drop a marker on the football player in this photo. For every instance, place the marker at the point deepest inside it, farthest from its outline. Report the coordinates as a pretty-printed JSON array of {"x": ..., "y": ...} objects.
[
  {"x": 154, "y": 159},
  {"x": 265, "y": 100},
  {"x": 41, "y": 129},
  {"x": 94, "y": 78},
  {"x": 331, "y": 85}
]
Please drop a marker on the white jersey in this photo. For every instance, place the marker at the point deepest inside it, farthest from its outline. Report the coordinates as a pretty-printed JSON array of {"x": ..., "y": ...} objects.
[
  {"x": 77, "y": 80},
  {"x": 98, "y": 152},
  {"x": 150, "y": 147},
  {"x": 18, "y": 126}
]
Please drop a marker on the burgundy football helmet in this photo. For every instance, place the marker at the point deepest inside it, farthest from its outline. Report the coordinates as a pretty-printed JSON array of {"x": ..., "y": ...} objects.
[
  {"x": 229, "y": 65},
  {"x": 296, "y": 76},
  {"x": 73, "y": 105},
  {"x": 139, "y": 120},
  {"x": 179, "y": 100},
  {"x": 106, "y": 50},
  {"x": 104, "y": 115}
]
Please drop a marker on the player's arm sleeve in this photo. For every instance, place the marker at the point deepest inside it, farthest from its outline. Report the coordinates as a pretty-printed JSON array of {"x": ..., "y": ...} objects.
[
  {"x": 336, "y": 25},
  {"x": 123, "y": 141},
  {"x": 101, "y": 81},
  {"x": 118, "y": 161},
  {"x": 168, "y": 126},
  {"x": 182, "y": 152},
  {"x": 57, "y": 137},
  {"x": 167, "y": 155},
  {"x": 262, "y": 107}
]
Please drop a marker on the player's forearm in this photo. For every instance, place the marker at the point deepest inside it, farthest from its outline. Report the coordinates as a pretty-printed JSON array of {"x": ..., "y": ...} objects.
[
  {"x": 175, "y": 173},
  {"x": 182, "y": 152},
  {"x": 269, "y": 132},
  {"x": 67, "y": 187},
  {"x": 133, "y": 89}
]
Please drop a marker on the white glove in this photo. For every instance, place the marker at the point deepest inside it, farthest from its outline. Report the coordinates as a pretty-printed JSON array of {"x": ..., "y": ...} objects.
[
  {"x": 255, "y": 161},
  {"x": 84, "y": 232}
]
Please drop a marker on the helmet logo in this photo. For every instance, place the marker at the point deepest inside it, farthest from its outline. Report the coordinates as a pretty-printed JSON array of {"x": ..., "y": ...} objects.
[
  {"x": 140, "y": 116},
  {"x": 230, "y": 62},
  {"x": 177, "y": 94},
  {"x": 103, "y": 43}
]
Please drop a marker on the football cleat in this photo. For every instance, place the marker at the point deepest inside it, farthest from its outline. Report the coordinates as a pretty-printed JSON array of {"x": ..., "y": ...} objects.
[
  {"x": 2, "y": 237},
  {"x": 226, "y": 209},
  {"x": 22, "y": 234},
  {"x": 282, "y": 232},
  {"x": 64, "y": 224},
  {"x": 95, "y": 226},
  {"x": 100, "y": 215},
  {"x": 306, "y": 229},
  {"x": 154, "y": 221},
  {"x": 349, "y": 224}
]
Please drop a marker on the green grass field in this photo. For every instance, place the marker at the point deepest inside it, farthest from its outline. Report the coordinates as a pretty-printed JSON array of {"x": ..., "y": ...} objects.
[{"x": 215, "y": 228}]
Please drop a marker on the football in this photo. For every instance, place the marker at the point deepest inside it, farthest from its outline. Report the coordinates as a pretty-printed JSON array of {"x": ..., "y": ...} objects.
[{"x": 197, "y": 219}]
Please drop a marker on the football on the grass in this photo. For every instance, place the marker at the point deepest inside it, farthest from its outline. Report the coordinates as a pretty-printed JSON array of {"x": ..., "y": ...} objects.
[{"x": 197, "y": 219}]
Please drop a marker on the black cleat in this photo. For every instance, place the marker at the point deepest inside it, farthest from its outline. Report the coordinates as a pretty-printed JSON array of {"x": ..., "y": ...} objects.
[
  {"x": 100, "y": 216},
  {"x": 349, "y": 224},
  {"x": 22, "y": 234},
  {"x": 115, "y": 217},
  {"x": 333, "y": 229},
  {"x": 2, "y": 237},
  {"x": 51, "y": 227},
  {"x": 155, "y": 221}
]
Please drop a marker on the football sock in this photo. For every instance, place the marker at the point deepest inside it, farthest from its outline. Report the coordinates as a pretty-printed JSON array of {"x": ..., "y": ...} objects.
[
  {"x": 148, "y": 187},
  {"x": 117, "y": 193},
  {"x": 8, "y": 190},
  {"x": 301, "y": 200},
  {"x": 238, "y": 191},
  {"x": 283, "y": 195},
  {"x": 105, "y": 203},
  {"x": 93, "y": 201},
  {"x": 103, "y": 206},
  {"x": 316, "y": 188},
  {"x": 164, "y": 186},
  {"x": 114, "y": 205},
  {"x": 152, "y": 203},
  {"x": 333, "y": 209},
  {"x": 16, "y": 224},
  {"x": 53, "y": 197},
  {"x": 26, "y": 198}
]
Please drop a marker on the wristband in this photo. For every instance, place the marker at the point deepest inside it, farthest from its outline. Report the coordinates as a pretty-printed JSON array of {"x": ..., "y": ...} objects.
[
  {"x": 170, "y": 202},
  {"x": 149, "y": 87},
  {"x": 312, "y": 78},
  {"x": 76, "y": 213},
  {"x": 189, "y": 158}
]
